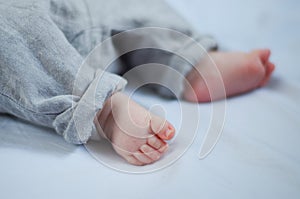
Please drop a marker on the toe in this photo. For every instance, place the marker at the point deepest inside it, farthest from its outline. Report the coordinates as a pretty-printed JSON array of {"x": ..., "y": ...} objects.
[
  {"x": 142, "y": 157},
  {"x": 158, "y": 125},
  {"x": 270, "y": 67},
  {"x": 150, "y": 152},
  {"x": 162, "y": 128},
  {"x": 168, "y": 133},
  {"x": 134, "y": 161},
  {"x": 155, "y": 142},
  {"x": 264, "y": 55},
  {"x": 164, "y": 148}
]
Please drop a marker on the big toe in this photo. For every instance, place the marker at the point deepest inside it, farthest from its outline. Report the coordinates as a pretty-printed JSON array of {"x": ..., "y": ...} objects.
[{"x": 162, "y": 128}]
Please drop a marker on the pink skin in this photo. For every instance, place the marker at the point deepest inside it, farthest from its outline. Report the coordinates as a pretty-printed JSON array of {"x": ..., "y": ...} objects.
[
  {"x": 140, "y": 137},
  {"x": 241, "y": 72},
  {"x": 136, "y": 135}
]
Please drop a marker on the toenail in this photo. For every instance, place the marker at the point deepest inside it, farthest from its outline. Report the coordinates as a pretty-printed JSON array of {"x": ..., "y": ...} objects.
[{"x": 169, "y": 131}]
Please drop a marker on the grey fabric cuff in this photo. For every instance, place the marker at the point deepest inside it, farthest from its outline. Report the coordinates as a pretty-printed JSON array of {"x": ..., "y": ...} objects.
[{"x": 79, "y": 118}]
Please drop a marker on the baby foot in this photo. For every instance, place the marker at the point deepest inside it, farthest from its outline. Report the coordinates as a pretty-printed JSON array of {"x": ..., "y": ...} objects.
[
  {"x": 136, "y": 134},
  {"x": 241, "y": 72}
]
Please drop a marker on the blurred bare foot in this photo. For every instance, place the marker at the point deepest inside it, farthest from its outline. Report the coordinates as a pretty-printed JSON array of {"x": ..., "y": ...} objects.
[{"x": 241, "y": 72}]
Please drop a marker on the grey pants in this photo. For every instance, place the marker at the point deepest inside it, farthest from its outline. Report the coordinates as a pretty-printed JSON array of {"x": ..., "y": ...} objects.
[{"x": 43, "y": 43}]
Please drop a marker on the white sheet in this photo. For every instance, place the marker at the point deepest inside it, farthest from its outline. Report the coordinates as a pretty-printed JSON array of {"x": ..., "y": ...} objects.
[{"x": 257, "y": 156}]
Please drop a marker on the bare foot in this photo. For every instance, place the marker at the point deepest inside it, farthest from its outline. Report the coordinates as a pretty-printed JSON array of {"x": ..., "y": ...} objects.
[
  {"x": 136, "y": 134},
  {"x": 241, "y": 72}
]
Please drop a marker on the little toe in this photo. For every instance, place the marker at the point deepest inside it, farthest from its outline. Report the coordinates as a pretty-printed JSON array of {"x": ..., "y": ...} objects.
[
  {"x": 162, "y": 128},
  {"x": 134, "y": 161},
  {"x": 142, "y": 157},
  {"x": 150, "y": 152}
]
